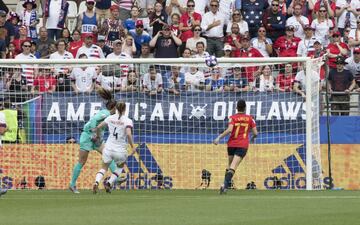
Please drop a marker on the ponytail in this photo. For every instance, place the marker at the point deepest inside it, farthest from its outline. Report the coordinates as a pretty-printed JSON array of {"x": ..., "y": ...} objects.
[
  {"x": 108, "y": 97},
  {"x": 120, "y": 107}
]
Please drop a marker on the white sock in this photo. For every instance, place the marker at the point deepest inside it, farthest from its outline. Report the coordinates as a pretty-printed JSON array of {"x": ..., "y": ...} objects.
[
  {"x": 99, "y": 175},
  {"x": 115, "y": 175}
]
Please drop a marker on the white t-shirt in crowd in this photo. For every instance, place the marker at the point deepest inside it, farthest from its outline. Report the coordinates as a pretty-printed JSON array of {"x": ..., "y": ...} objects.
[
  {"x": 322, "y": 30},
  {"x": 93, "y": 52},
  {"x": 299, "y": 31},
  {"x": 150, "y": 84},
  {"x": 83, "y": 78},
  {"x": 108, "y": 82},
  {"x": 194, "y": 79},
  {"x": 54, "y": 13}
]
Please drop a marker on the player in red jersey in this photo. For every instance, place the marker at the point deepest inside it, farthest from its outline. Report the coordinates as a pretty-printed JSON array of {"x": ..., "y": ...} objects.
[{"x": 240, "y": 125}]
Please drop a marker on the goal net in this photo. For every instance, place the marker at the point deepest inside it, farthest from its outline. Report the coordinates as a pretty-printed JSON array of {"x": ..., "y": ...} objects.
[{"x": 178, "y": 107}]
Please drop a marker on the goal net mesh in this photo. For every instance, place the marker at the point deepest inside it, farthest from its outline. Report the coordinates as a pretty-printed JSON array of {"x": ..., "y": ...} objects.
[{"x": 177, "y": 109}]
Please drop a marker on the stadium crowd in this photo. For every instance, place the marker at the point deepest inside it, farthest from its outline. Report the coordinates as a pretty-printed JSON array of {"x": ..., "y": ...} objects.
[{"x": 181, "y": 28}]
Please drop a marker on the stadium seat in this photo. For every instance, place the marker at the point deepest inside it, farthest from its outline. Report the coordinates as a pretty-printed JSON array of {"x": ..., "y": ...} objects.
[
  {"x": 82, "y": 7},
  {"x": 72, "y": 14}
]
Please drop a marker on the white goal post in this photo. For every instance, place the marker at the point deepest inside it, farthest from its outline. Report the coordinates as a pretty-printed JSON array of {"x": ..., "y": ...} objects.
[{"x": 170, "y": 134}]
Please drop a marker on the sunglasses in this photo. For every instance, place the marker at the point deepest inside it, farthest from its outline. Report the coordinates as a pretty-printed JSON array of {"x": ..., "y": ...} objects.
[
  {"x": 197, "y": 30},
  {"x": 190, "y": 6},
  {"x": 336, "y": 36},
  {"x": 27, "y": 46},
  {"x": 322, "y": 10},
  {"x": 274, "y": 4},
  {"x": 347, "y": 30},
  {"x": 214, "y": 5},
  {"x": 90, "y": 3}
]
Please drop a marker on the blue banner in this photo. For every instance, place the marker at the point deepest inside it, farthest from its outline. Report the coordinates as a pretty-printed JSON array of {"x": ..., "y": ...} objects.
[{"x": 193, "y": 117}]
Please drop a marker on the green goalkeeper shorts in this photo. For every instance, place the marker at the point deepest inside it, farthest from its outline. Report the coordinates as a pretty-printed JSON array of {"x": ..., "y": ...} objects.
[{"x": 86, "y": 144}]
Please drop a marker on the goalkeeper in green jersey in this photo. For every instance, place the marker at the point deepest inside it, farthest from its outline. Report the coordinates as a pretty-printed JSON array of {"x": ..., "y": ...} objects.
[{"x": 89, "y": 141}]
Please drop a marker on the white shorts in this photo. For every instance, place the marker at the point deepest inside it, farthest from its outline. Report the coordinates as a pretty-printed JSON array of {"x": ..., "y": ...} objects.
[{"x": 118, "y": 157}]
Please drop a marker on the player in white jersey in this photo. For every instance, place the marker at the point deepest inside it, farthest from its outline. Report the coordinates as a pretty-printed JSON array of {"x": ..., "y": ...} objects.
[
  {"x": 3, "y": 129},
  {"x": 120, "y": 133}
]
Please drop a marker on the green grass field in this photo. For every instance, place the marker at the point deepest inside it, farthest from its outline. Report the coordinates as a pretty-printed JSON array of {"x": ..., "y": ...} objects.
[{"x": 180, "y": 207}]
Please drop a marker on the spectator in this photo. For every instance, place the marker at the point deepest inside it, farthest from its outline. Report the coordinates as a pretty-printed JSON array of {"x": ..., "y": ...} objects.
[
  {"x": 118, "y": 54},
  {"x": 61, "y": 53},
  {"x": 354, "y": 40},
  {"x": 298, "y": 21},
  {"x": 329, "y": 5},
  {"x": 253, "y": 14},
  {"x": 234, "y": 40},
  {"x": 7, "y": 32},
  {"x": 76, "y": 42},
  {"x": 112, "y": 28},
  {"x": 66, "y": 36},
  {"x": 44, "y": 82},
  {"x": 322, "y": 26},
  {"x": 186, "y": 54},
  {"x": 235, "y": 82},
  {"x": 165, "y": 43},
  {"x": 176, "y": 80},
  {"x": 128, "y": 46},
  {"x": 212, "y": 24},
  {"x": 152, "y": 82},
  {"x": 103, "y": 8},
  {"x": 131, "y": 82},
  {"x": 11, "y": 52},
  {"x": 83, "y": 78},
  {"x": 266, "y": 80},
  {"x": 215, "y": 82},
  {"x": 287, "y": 45},
  {"x": 34, "y": 51},
  {"x": 345, "y": 37},
  {"x": 15, "y": 21},
  {"x": 249, "y": 52},
  {"x": 158, "y": 19},
  {"x": 340, "y": 80},
  {"x": 200, "y": 49},
  {"x": 194, "y": 79},
  {"x": 129, "y": 23},
  {"x": 140, "y": 36},
  {"x": 226, "y": 69},
  {"x": 28, "y": 71},
  {"x": 29, "y": 18},
  {"x": 274, "y": 21},
  {"x": 353, "y": 65},
  {"x": 285, "y": 80},
  {"x": 88, "y": 22},
  {"x": 237, "y": 18},
  {"x": 15, "y": 82},
  {"x": 316, "y": 53},
  {"x": 347, "y": 12},
  {"x": 89, "y": 49},
  {"x": 306, "y": 45},
  {"x": 226, "y": 7},
  {"x": 125, "y": 8},
  {"x": 146, "y": 21},
  {"x": 176, "y": 7},
  {"x": 192, "y": 41},
  {"x": 262, "y": 43},
  {"x": 174, "y": 24},
  {"x": 55, "y": 16},
  {"x": 43, "y": 43},
  {"x": 300, "y": 81},
  {"x": 335, "y": 49},
  {"x": 105, "y": 48},
  {"x": 306, "y": 8},
  {"x": 188, "y": 21},
  {"x": 107, "y": 79},
  {"x": 22, "y": 37},
  {"x": 145, "y": 54}
]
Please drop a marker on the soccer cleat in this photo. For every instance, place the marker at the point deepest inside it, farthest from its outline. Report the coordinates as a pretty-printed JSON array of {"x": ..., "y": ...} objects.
[
  {"x": 107, "y": 186},
  {"x": 95, "y": 188},
  {"x": 2, "y": 191},
  {"x": 223, "y": 190},
  {"x": 74, "y": 190}
]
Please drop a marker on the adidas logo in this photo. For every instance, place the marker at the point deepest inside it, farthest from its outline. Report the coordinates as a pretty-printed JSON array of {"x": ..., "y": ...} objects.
[
  {"x": 145, "y": 172},
  {"x": 291, "y": 174}
]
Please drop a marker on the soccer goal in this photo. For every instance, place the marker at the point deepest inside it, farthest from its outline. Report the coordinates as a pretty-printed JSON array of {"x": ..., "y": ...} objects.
[{"x": 178, "y": 107}]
